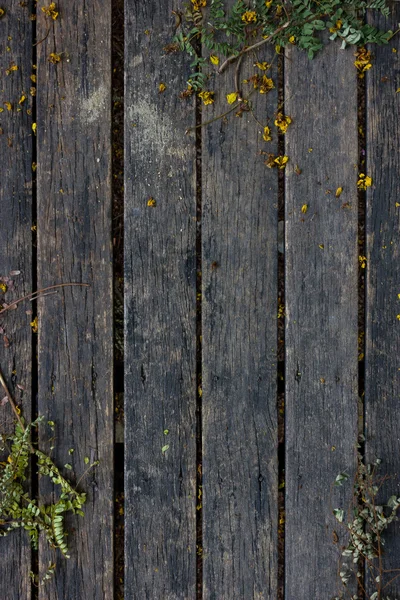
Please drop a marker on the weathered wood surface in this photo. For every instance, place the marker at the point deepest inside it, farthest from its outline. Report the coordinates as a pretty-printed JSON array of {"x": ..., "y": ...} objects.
[
  {"x": 74, "y": 245},
  {"x": 160, "y": 313},
  {"x": 321, "y": 310},
  {"x": 16, "y": 255},
  {"x": 239, "y": 334},
  {"x": 382, "y": 335}
]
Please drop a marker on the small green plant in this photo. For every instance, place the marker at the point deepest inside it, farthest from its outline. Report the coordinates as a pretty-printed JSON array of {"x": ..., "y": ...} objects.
[
  {"x": 17, "y": 509},
  {"x": 226, "y": 35},
  {"x": 216, "y": 38},
  {"x": 366, "y": 520}
]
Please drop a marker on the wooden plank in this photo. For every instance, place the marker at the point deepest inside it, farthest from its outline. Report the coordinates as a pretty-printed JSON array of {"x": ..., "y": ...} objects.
[
  {"x": 160, "y": 313},
  {"x": 74, "y": 245},
  {"x": 382, "y": 335},
  {"x": 239, "y": 332},
  {"x": 16, "y": 254},
  {"x": 321, "y": 311}
]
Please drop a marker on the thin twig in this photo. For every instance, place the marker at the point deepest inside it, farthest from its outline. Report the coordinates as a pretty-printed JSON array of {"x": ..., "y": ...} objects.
[
  {"x": 11, "y": 401},
  {"x": 38, "y": 292},
  {"x": 234, "y": 57}
]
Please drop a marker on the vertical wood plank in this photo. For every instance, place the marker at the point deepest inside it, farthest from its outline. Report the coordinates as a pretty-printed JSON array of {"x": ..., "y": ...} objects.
[
  {"x": 239, "y": 333},
  {"x": 321, "y": 310},
  {"x": 16, "y": 254},
  {"x": 382, "y": 421},
  {"x": 74, "y": 245},
  {"x": 160, "y": 313}
]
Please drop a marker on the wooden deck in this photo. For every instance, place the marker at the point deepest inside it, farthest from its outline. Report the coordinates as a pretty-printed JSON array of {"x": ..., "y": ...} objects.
[{"x": 236, "y": 422}]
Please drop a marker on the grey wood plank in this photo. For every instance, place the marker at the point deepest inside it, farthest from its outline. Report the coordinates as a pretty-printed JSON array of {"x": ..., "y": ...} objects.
[
  {"x": 239, "y": 333},
  {"x": 74, "y": 245},
  {"x": 160, "y": 313},
  {"x": 382, "y": 336},
  {"x": 321, "y": 311},
  {"x": 16, "y": 254}
]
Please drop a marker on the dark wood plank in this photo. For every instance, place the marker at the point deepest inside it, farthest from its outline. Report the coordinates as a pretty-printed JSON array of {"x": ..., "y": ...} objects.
[
  {"x": 382, "y": 335},
  {"x": 239, "y": 332},
  {"x": 16, "y": 254},
  {"x": 74, "y": 244},
  {"x": 321, "y": 310},
  {"x": 160, "y": 313}
]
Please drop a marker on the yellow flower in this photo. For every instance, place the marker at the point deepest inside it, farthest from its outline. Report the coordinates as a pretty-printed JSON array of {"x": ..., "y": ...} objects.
[
  {"x": 266, "y": 85},
  {"x": 207, "y": 97},
  {"x": 35, "y": 325},
  {"x": 363, "y": 61},
  {"x": 268, "y": 3},
  {"x": 3, "y": 287},
  {"x": 336, "y": 27},
  {"x": 250, "y": 16},
  {"x": 162, "y": 87},
  {"x": 214, "y": 59},
  {"x": 197, "y": 4},
  {"x": 50, "y": 11},
  {"x": 363, "y": 261},
  {"x": 304, "y": 208},
  {"x": 54, "y": 58},
  {"x": 292, "y": 39},
  {"x": 281, "y": 161},
  {"x": 267, "y": 134},
  {"x": 232, "y": 97},
  {"x": 364, "y": 181},
  {"x": 262, "y": 65},
  {"x": 282, "y": 122}
]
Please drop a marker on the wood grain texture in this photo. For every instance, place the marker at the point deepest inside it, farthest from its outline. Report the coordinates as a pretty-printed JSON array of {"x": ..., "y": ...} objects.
[
  {"x": 239, "y": 333},
  {"x": 321, "y": 311},
  {"x": 16, "y": 254},
  {"x": 382, "y": 335},
  {"x": 74, "y": 245},
  {"x": 160, "y": 313}
]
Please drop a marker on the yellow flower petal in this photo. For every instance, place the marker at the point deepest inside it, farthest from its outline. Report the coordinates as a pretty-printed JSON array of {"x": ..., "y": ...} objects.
[
  {"x": 232, "y": 97},
  {"x": 214, "y": 59}
]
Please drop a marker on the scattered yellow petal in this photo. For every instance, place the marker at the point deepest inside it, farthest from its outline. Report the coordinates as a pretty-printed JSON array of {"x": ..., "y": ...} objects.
[
  {"x": 34, "y": 166},
  {"x": 292, "y": 39},
  {"x": 54, "y": 58},
  {"x": 268, "y": 3},
  {"x": 397, "y": 204},
  {"x": 304, "y": 208},
  {"x": 363, "y": 61},
  {"x": 338, "y": 192},
  {"x": 394, "y": 50},
  {"x": 50, "y": 11},
  {"x": 214, "y": 59},
  {"x": 33, "y": 77},
  {"x": 282, "y": 122},
  {"x": 207, "y": 97},
  {"x": 8, "y": 105},
  {"x": 363, "y": 261},
  {"x": 2, "y": 12},
  {"x": 35, "y": 325},
  {"x": 321, "y": 246},
  {"x": 162, "y": 87},
  {"x": 266, "y": 84},
  {"x": 263, "y": 66},
  {"x": 232, "y": 97},
  {"x": 34, "y": 128},
  {"x": 3, "y": 287},
  {"x": 22, "y": 99},
  {"x": 267, "y": 134},
  {"x": 364, "y": 181},
  {"x": 151, "y": 202},
  {"x": 277, "y": 49},
  {"x": 197, "y": 4},
  {"x": 281, "y": 161},
  {"x": 398, "y": 295},
  {"x": 250, "y": 16},
  {"x": 398, "y": 317}
]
